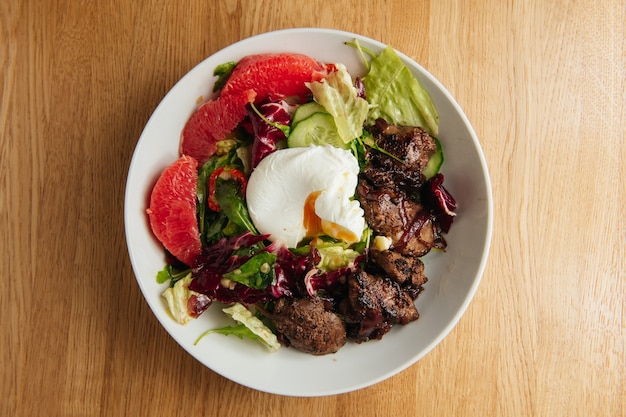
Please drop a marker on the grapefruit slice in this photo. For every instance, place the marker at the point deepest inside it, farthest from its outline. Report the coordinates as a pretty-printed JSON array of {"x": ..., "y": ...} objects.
[
  {"x": 275, "y": 75},
  {"x": 172, "y": 210},
  {"x": 212, "y": 122}
]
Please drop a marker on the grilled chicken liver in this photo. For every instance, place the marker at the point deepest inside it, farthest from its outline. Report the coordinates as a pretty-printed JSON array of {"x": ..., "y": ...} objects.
[{"x": 309, "y": 326}]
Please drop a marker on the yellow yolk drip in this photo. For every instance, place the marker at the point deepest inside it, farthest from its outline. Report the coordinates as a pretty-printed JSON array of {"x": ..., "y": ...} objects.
[
  {"x": 338, "y": 232},
  {"x": 312, "y": 222},
  {"x": 316, "y": 226}
]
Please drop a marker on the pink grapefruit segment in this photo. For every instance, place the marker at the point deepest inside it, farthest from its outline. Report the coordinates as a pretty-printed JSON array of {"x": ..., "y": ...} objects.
[
  {"x": 172, "y": 210},
  {"x": 276, "y": 75},
  {"x": 212, "y": 122}
]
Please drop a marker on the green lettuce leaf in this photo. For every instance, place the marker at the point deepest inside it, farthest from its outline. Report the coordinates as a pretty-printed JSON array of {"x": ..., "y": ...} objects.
[
  {"x": 248, "y": 326},
  {"x": 177, "y": 298},
  {"x": 337, "y": 94},
  {"x": 397, "y": 96},
  {"x": 334, "y": 257}
]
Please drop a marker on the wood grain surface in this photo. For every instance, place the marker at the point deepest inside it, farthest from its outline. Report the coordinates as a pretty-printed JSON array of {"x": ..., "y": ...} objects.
[{"x": 543, "y": 83}]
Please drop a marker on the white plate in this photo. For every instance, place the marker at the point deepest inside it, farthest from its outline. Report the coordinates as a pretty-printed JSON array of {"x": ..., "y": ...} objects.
[{"x": 453, "y": 275}]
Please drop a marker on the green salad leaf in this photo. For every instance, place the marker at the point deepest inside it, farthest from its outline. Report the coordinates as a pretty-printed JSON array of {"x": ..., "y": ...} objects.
[
  {"x": 334, "y": 257},
  {"x": 240, "y": 330},
  {"x": 233, "y": 204},
  {"x": 210, "y": 224},
  {"x": 248, "y": 326},
  {"x": 171, "y": 274},
  {"x": 177, "y": 298},
  {"x": 257, "y": 272},
  {"x": 222, "y": 71},
  {"x": 396, "y": 95},
  {"x": 337, "y": 94},
  {"x": 215, "y": 225}
]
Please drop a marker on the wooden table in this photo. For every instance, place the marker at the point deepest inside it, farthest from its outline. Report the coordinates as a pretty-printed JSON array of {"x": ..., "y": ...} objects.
[{"x": 543, "y": 83}]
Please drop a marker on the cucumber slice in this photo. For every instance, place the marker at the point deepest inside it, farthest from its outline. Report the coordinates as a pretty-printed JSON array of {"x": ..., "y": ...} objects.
[
  {"x": 305, "y": 110},
  {"x": 434, "y": 163},
  {"x": 317, "y": 129}
]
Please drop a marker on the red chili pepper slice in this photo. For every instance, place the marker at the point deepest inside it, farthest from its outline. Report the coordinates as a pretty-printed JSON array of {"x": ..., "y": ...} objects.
[{"x": 225, "y": 172}]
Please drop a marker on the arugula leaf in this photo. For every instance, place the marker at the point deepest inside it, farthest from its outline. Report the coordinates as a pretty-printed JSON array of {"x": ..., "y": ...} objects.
[
  {"x": 202, "y": 189},
  {"x": 357, "y": 147},
  {"x": 248, "y": 326},
  {"x": 240, "y": 330},
  {"x": 233, "y": 205},
  {"x": 170, "y": 273},
  {"x": 362, "y": 51},
  {"x": 257, "y": 272},
  {"x": 223, "y": 71},
  {"x": 211, "y": 224},
  {"x": 397, "y": 96}
]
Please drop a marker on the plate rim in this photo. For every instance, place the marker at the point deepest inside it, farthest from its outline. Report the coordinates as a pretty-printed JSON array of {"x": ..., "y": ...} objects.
[{"x": 487, "y": 232}]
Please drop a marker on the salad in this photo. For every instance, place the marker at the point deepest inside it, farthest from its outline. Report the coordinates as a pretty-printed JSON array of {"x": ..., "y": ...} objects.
[{"x": 303, "y": 201}]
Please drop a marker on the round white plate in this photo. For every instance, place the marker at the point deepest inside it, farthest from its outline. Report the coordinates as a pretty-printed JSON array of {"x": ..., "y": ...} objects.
[{"x": 453, "y": 275}]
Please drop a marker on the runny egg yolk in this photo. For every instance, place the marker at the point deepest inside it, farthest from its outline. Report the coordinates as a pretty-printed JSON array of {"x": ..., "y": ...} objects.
[
  {"x": 316, "y": 226},
  {"x": 312, "y": 222}
]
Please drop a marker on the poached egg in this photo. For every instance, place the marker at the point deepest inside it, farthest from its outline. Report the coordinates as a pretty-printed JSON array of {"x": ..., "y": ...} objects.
[{"x": 296, "y": 193}]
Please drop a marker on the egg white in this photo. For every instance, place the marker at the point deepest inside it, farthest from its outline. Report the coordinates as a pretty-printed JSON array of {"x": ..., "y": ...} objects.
[{"x": 281, "y": 183}]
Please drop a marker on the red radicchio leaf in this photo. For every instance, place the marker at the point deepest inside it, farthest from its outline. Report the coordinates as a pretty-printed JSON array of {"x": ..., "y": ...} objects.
[
  {"x": 219, "y": 259},
  {"x": 316, "y": 279},
  {"x": 447, "y": 203},
  {"x": 372, "y": 326},
  {"x": 290, "y": 271},
  {"x": 197, "y": 304},
  {"x": 360, "y": 88},
  {"x": 266, "y": 136},
  {"x": 439, "y": 201}
]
